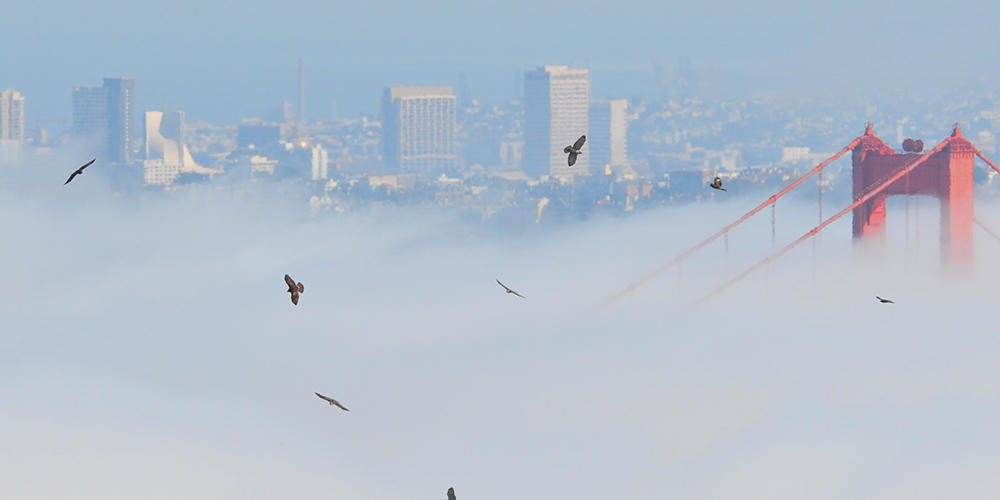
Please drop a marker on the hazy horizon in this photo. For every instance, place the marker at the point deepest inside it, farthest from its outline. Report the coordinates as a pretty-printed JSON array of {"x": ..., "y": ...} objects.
[
  {"x": 221, "y": 64},
  {"x": 148, "y": 347}
]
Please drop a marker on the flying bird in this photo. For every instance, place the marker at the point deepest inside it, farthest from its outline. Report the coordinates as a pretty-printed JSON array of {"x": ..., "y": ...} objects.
[
  {"x": 884, "y": 301},
  {"x": 451, "y": 493},
  {"x": 574, "y": 150},
  {"x": 505, "y": 287},
  {"x": 333, "y": 402},
  {"x": 717, "y": 184},
  {"x": 294, "y": 288},
  {"x": 79, "y": 171}
]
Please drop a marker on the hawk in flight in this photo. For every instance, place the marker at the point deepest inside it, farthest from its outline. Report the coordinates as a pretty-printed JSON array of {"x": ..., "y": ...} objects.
[
  {"x": 717, "y": 184},
  {"x": 294, "y": 288},
  {"x": 884, "y": 301},
  {"x": 451, "y": 493},
  {"x": 79, "y": 171},
  {"x": 505, "y": 287},
  {"x": 333, "y": 402},
  {"x": 574, "y": 150}
]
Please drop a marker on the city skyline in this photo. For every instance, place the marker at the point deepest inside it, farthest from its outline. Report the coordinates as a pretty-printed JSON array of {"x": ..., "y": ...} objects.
[{"x": 768, "y": 275}]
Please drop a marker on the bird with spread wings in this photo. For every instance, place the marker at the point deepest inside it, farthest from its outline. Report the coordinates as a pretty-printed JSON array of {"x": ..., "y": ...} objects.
[
  {"x": 574, "y": 150},
  {"x": 505, "y": 287},
  {"x": 79, "y": 171},
  {"x": 333, "y": 402},
  {"x": 294, "y": 288}
]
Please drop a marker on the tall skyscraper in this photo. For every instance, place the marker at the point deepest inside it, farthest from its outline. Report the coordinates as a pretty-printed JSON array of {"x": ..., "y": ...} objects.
[
  {"x": 556, "y": 105},
  {"x": 608, "y": 131},
  {"x": 418, "y": 129},
  {"x": 120, "y": 118},
  {"x": 11, "y": 116},
  {"x": 90, "y": 112},
  {"x": 105, "y": 116}
]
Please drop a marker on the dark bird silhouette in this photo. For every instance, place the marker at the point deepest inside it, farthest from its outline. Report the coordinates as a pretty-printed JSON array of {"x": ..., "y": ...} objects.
[
  {"x": 884, "y": 301},
  {"x": 333, "y": 402},
  {"x": 717, "y": 184},
  {"x": 79, "y": 171},
  {"x": 505, "y": 287},
  {"x": 451, "y": 494},
  {"x": 574, "y": 150},
  {"x": 294, "y": 288}
]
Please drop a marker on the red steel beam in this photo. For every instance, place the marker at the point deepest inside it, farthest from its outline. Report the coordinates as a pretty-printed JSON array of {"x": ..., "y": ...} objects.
[
  {"x": 731, "y": 226},
  {"x": 865, "y": 197}
]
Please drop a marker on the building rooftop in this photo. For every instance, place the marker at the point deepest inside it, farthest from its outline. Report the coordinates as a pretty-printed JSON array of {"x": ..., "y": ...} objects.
[{"x": 427, "y": 91}]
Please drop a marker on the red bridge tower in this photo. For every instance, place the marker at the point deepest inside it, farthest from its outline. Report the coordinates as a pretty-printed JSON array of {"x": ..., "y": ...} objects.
[{"x": 946, "y": 175}]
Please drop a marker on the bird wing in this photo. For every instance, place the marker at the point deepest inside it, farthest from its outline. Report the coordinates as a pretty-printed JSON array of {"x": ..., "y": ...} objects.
[
  {"x": 324, "y": 398},
  {"x": 519, "y": 295},
  {"x": 295, "y": 297},
  {"x": 71, "y": 176},
  {"x": 338, "y": 405},
  {"x": 579, "y": 142},
  {"x": 572, "y": 159},
  {"x": 451, "y": 494},
  {"x": 85, "y": 165},
  {"x": 290, "y": 282},
  {"x": 505, "y": 286}
]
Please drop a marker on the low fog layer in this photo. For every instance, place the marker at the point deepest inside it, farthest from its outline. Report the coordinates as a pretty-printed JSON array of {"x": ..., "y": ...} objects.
[{"x": 149, "y": 350}]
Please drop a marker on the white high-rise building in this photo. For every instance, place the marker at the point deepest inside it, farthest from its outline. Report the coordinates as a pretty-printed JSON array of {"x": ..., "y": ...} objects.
[
  {"x": 167, "y": 157},
  {"x": 320, "y": 162},
  {"x": 557, "y": 105},
  {"x": 12, "y": 117},
  {"x": 608, "y": 133},
  {"x": 418, "y": 129}
]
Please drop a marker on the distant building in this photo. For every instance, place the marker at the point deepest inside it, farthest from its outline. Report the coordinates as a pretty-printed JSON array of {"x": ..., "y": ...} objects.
[
  {"x": 11, "y": 117},
  {"x": 608, "y": 132},
  {"x": 167, "y": 156},
  {"x": 557, "y": 104},
  {"x": 121, "y": 92},
  {"x": 320, "y": 162},
  {"x": 90, "y": 112},
  {"x": 105, "y": 115},
  {"x": 418, "y": 129}
]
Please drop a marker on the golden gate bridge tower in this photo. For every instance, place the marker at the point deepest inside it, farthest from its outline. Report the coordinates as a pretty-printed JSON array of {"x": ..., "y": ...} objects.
[{"x": 945, "y": 172}]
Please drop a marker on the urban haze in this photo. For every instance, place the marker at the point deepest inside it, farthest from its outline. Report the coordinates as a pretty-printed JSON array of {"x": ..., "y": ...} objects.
[{"x": 501, "y": 315}]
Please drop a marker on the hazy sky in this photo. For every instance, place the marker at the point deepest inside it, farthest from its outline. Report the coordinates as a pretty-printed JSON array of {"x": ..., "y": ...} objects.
[
  {"x": 149, "y": 350},
  {"x": 221, "y": 63}
]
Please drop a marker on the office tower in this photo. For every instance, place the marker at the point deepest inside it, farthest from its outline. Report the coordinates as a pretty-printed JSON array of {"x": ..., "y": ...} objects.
[
  {"x": 302, "y": 93},
  {"x": 608, "y": 130},
  {"x": 418, "y": 129},
  {"x": 556, "y": 102},
  {"x": 167, "y": 156},
  {"x": 104, "y": 115},
  {"x": 11, "y": 116},
  {"x": 120, "y": 118},
  {"x": 90, "y": 112},
  {"x": 320, "y": 162}
]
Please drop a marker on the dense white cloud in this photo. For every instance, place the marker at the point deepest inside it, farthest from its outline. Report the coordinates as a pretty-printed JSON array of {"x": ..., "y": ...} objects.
[{"x": 149, "y": 350}]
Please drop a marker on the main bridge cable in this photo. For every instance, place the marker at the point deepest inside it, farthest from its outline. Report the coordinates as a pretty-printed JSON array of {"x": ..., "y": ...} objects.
[
  {"x": 869, "y": 194},
  {"x": 642, "y": 281}
]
